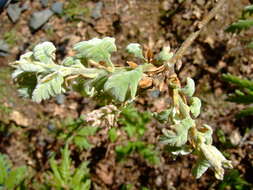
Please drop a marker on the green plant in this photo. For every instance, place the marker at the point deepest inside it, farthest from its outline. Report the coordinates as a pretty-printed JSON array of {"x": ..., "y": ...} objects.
[
  {"x": 78, "y": 132},
  {"x": 244, "y": 23},
  {"x": 11, "y": 178},
  {"x": 243, "y": 95},
  {"x": 233, "y": 180},
  {"x": 92, "y": 73},
  {"x": 65, "y": 176},
  {"x": 134, "y": 124}
]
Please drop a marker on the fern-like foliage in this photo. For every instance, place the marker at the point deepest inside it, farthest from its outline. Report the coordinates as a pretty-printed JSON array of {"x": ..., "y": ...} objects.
[
  {"x": 10, "y": 178},
  {"x": 65, "y": 176},
  {"x": 244, "y": 93}
]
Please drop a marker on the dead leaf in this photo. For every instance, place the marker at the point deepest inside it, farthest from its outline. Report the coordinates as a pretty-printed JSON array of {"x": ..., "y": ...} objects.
[{"x": 19, "y": 118}]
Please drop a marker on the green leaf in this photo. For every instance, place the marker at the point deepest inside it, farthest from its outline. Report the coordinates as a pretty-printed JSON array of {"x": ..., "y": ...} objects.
[
  {"x": 200, "y": 168},
  {"x": 97, "y": 49},
  {"x": 184, "y": 150},
  {"x": 5, "y": 165},
  {"x": 245, "y": 112},
  {"x": 240, "y": 25},
  {"x": 243, "y": 83},
  {"x": 87, "y": 131},
  {"x": 179, "y": 137},
  {"x": 57, "y": 179},
  {"x": 163, "y": 116},
  {"x": 248, "y": 10},
  {"x": 189, "y": 89},
  {"x": 195, "y": 106},
  {"x": 15, "y": 177},
  {"x": 65, "y": 163},
  {"x": 250, "y": 45},
  {"x": 123, "y": 85},
  {"x": 44, "y": 52},
  {"x": 164, "y": 56},
  {"x": 82, "y": 142},
  {"x": 113, "y": 134},
  {"x": 135, "y": 48},
  {"x": 51, "y": 85}
]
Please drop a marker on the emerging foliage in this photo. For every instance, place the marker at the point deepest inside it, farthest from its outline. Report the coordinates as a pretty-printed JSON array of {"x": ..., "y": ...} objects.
[
  {"x": 65, "y": 176},
  {"x": 92, "y": 73}
]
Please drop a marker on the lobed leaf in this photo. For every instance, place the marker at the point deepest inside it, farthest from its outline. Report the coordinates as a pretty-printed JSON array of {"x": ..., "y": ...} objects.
[
  {"x": 195, "y": 106},
  {"x": 123, "y": 85},
  {"x": 189, "y": 89},
  {"x": 97, "y": 49},
  {"x": 135, "y": 48},
  {"x": 200, "y": 168},
  {"x": 44, "y": 52}
]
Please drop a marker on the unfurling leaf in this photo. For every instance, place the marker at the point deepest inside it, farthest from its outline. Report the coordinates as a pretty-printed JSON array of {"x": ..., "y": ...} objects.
[
  {"x": 195, "y": 106},
  {"x": 164, "y": 55},
  {"x": 189, "y": 89},
  {"x": 179, "y": 137},
  {"x": 44, "y": 52},
  {"x": 123, "y": 85},
  {"x": 200, "y": 168},
  {"x": 97, "y": 49},
  {"x": 135, "y": 49},
  {"x": 51, "y": 87}
]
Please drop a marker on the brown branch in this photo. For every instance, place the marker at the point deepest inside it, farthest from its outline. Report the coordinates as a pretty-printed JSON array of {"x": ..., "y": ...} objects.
[{"x": 187, "y": 43}]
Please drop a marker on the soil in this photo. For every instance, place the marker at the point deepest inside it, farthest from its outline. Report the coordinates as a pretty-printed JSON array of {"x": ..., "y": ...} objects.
[{"x": 24, "y": 126}]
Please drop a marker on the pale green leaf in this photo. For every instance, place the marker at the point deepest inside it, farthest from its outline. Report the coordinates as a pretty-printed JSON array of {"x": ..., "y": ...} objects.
[
  {"x": 82, "y": 142},
  {"x": 180, "y": 135},
  {"x": 200, "y": 168},
  {"x": 123, "y": 85},
  {"x": 135, "y": 48},
  {"x": 15, "y": 177},
  {"x": 164, "y": 55},
  {"x": 97, "y": 49},
  {"x": 189, "y": 89},
  {"x": 195, "y": 106},
  {"x": 44, "y": 52},
  {"x": 49, "y": 86},
  {"x": 163, "y": 116}
]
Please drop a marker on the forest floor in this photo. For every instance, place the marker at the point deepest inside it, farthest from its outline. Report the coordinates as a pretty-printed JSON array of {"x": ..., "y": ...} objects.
[{"x": 26, "y": 127}]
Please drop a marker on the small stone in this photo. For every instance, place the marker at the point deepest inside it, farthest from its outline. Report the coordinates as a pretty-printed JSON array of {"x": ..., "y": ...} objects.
[
  {"x": 4, "y": 48},
  {"x": 44, "y": 3},
  {"x": 51, "y": 127},
  {"x": 60, "y": 99},
  {"x": 38, "y": 19},
  {"x": 57, "y": 8},
  {"x": 14, "y": 12},
  {"x": 25, "y": 6},
  {"x": 155, "y": 93},
  {"x": 96, "y": 12}
]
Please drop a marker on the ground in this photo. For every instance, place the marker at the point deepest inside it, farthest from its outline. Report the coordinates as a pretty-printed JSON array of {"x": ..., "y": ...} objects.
[{"x": 25, "y": 134}]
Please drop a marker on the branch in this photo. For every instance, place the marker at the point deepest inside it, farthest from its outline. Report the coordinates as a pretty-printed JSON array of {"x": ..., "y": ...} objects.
[{"x": 187, "y": 43}]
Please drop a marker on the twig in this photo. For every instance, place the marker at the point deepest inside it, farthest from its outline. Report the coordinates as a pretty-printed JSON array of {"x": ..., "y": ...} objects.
[{"x": 187, "y": 43}]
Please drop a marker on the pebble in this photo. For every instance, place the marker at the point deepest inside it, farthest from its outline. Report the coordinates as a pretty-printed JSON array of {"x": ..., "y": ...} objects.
[
  {"x": 38, "y": 19},
  {"x": 60, "y": 99},
  {"x": 44, "y": 3},
  {"x": 57, "y": 8},
  {"x": 14, "y": 11},
  {"x": 4, "y": 48},
  {"x": 96, "y": 12},
  {"x": 155, "y": 93},
  {"x": 51, "y": 127}
]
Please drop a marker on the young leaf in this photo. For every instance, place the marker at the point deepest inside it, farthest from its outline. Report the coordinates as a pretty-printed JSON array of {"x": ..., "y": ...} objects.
[
  {"x": 135, "y": 48},
  {"x": 97, "y": 49},
  {"x": 44, "y": 52},
  {"x": 113, "y": 134},
  {"x": 51, "y": 87},
  {"x": 200, "y": 168},
  {"x": 123, "y": 84},
  {"x": 179, "y": 137},
  {"x": 164, "y": 55},
  {"x": 195, "y": 106},
  {"x": 189, "y": 89}
]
